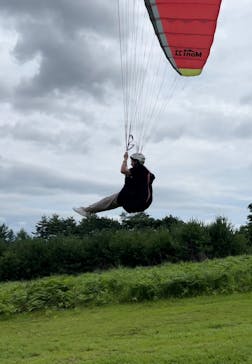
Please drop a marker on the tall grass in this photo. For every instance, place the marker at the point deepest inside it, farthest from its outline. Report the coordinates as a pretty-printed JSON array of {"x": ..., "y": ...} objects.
[{"x": 233, "y": 274}]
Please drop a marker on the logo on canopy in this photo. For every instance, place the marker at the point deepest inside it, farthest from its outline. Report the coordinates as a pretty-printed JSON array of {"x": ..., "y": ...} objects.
[{"x": 187, "y": 53}]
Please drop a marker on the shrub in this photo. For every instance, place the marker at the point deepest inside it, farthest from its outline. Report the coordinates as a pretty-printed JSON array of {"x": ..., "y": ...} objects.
[
  {"x": 222, "y": 238},
  {"x": 91, "y": 250},
  {"x": 192, "y": 241}
]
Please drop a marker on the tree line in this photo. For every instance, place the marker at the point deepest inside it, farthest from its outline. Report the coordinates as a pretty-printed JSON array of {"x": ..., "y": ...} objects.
[{"x": 64, "y": 246}]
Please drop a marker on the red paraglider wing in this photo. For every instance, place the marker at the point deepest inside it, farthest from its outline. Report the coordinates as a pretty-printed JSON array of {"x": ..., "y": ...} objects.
[{"x": 185, "y": 29}]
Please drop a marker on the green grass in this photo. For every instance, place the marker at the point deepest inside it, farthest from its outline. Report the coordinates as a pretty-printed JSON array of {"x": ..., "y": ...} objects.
[{"x": 202, "y": 330}]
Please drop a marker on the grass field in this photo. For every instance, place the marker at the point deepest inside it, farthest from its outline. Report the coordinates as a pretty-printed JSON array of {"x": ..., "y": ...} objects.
[{"x": 201, "y": 330}]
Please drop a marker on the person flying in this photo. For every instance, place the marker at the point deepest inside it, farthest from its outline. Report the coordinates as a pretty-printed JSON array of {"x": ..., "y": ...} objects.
[{"x": 136, "y": 194}]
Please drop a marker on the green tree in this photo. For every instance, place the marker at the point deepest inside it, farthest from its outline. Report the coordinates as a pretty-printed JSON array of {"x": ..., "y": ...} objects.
[
  {"x": 140, "y": 220},
  {"x": 170, "y": 221},
  {"x": 250, "y": 215},
  {"x": 42, "y": 228},
  {"x": 95, "y": 223},
  {"x": 49, "y": 227},
  {"x": 222, "y": 235},
  {"x": 22, "y": 235},
  {"x": 6, "y": 235},
  {"x": 192, "y": 241},
  {"x": 249, "y": 218}
]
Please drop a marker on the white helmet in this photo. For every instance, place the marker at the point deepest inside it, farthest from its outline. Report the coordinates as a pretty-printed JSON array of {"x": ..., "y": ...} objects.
[{"x": 138, "y": 157}]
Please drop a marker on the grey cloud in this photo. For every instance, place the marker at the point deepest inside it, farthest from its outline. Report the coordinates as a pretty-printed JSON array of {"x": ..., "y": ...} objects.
[
  {"x": 65, "y": 64},
  {"x": 70, "y": 15},
  {"x": 246, "y": 99},
  {"x": 69, "y": 40},
  {"x": 180, "y": 202},
  {"x": 32, "y": 180},
  {"x": 244, "y": 130},
  {"x": 5, "y": 93},
  {"x": 54, "y": 140},
  {"x": 166, "y": 196},
  {"x": 71, "y": 106},
  {"x": 208, "y": 124}
]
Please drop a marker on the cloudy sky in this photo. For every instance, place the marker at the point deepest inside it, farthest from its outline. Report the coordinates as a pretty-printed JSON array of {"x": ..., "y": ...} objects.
[{"x": 61, "y": 123}]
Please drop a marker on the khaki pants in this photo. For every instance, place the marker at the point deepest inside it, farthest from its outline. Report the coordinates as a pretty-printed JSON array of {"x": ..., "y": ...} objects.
[{"x": 107, "y": 203}]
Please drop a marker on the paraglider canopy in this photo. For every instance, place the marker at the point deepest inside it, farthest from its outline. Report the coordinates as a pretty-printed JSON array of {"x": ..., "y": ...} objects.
[{"x": 185, "y": 30}]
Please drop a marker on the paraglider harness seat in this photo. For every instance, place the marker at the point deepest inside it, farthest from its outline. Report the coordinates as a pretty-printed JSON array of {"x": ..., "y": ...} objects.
[{"x": 136, "y": 195}]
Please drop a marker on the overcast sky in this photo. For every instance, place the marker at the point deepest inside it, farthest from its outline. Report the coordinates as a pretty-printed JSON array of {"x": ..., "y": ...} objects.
[{"x": 61, "y": 123}]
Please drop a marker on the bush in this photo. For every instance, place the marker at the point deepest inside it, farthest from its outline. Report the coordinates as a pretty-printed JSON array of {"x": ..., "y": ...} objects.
[
  {"x": 192, "y": 241},
  {"x": 25, "y": 260},
  {"x": 169, "y": 240},
  {"x": 3, "y": 247},
  {"x": 223, "y": 240}
]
